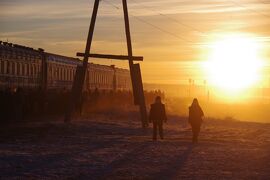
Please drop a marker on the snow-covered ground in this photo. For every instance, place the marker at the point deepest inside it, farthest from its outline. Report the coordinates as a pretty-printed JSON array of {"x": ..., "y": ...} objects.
[{"x": 120, "y": 149}]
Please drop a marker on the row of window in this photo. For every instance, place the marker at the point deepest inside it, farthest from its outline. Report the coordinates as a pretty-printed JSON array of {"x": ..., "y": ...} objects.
[
  {"x": 57, "y": 72},
  {"x": 19, "y": 55},
  {"x": 100, "y": 77},
  {"x": 19, "y": 69},
  {"x": 67, "y": 73},
  {"x": 123, "y": 81},
  {"x": 62, "y": 73}
]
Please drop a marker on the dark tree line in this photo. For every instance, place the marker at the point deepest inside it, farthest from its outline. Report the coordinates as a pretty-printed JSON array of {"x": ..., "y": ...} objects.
[{"x": 21, "y": 105}]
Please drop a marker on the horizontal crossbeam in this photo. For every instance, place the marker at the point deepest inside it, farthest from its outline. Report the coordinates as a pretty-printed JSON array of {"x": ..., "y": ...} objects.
[{"x": 116, "y": 57}]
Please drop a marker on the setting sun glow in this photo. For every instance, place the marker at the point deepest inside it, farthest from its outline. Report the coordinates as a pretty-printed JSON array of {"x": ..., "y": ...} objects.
[{"x": 234, "y": 63}]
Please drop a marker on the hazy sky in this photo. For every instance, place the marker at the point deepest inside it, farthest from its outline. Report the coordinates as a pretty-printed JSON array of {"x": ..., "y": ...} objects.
[{"x": 172, "y": 35}]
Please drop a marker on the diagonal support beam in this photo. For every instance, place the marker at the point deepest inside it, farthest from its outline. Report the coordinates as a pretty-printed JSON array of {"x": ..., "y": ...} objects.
[
  {"x": 78, "y": 85},
  {"x": 109, "y": 56}
]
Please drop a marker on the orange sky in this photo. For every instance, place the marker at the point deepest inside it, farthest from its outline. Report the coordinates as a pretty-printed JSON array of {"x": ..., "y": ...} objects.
[{"x": 172, "y": 35}]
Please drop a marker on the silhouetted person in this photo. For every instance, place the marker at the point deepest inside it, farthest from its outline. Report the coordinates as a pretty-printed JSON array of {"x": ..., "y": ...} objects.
[
  {"x": 195, "y": 119},
  {"x": 157, "y": 116}
]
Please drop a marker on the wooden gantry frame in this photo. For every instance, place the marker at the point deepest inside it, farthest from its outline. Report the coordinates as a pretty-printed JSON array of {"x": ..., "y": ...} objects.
[{"x": 135, "y": 72}]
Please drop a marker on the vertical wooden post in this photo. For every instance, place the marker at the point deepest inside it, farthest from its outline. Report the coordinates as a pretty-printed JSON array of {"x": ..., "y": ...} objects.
[
  {"x": 129, "y": 45},
  {"x": 131, "y": 67},
  {"x": 81, "y": 78},
  {"x": 139, "y": 94},
  {"x": 43, "y": 70}
]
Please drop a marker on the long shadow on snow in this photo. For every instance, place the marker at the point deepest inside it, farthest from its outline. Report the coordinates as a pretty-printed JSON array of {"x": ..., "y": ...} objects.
[
  {"x": 170, "y": 172},
  {"x": 105, "y": 172}
]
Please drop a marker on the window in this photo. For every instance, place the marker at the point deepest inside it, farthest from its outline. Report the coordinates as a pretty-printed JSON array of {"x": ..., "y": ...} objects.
[
  {"x": 34, "y": 69},
  {"x": 62, "y": 73},
  {"x": 59, "y": 73},
  {"x": 26, "y": 69},
  {"x": 18, "y": 69},
  {"x": 13, "y": 68},
  {"x": 72, "y": 74},
  {"x": 56, "y": 73},
  {"x": 65, "y": 74},
  {"x": 69, "y": 74},
  {"x": 8, "y": 68},
  {"x": 94, "y": 77},
  {"x": 65, "y": 78},
  {"x": 22, "y": 69},
  {"x": 5, "y": 67},
  {"x": 2, "y": 67},
  {"x": 31, "y": 70},
  {"x": 54, "y": 70},
  {"x": 101, "y": 78}
]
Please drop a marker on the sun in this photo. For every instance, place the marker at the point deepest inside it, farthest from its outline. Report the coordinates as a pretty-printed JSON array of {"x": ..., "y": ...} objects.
[{"x": 234, "y": 63}]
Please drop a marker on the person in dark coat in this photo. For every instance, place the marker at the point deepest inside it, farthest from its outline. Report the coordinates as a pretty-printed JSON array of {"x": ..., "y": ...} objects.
[
  {"x": 195, "y": 119},
  {"x": 157, "y": 116}
]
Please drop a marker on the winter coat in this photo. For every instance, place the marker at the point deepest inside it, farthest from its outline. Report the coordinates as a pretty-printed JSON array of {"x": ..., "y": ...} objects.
[
  {"x": 195, "y": 114},
  {"x": 157, "y": 113}
]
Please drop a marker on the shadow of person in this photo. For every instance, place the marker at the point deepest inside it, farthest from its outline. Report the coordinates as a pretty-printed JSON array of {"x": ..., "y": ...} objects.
[{"x": 171, "y": 171}]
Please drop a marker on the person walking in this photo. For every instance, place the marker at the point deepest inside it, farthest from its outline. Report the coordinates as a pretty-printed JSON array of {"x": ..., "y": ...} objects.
[
  {"x": 195, "y": 119},
  {"x": 157, "y": 116}
]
